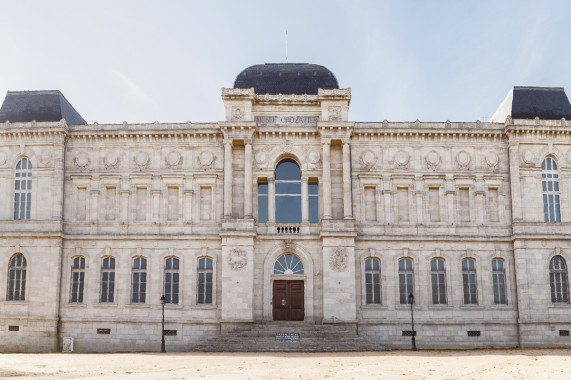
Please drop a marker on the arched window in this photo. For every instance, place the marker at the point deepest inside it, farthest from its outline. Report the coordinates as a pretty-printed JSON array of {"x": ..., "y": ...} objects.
[
  {"x": 77, "y": 279},
  {"x": 288, "y": 192},
  {"x": 288, "y": 264},
  {"x": 107, "y": 280},
  {"x": 406, "y": 280},
  {"x": 373, "y": 281},
  {"x": 23, "y": 190},
  {"x": 171, "y": 278},
  {"x": 469, "y": 282},
  {"x": 499, "y": 282},
  {"x": 558, "y": 280},
  {"x": 204, "y": 281},
  {"x": 438, "y": 276},
  {"x": 139, "y": 280},
  {"x": 17, "y": 278},
  {"x": 550, "y": 186}
]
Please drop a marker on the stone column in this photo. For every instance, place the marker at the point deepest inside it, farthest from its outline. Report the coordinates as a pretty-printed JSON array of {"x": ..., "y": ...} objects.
[
  {"x": 480, "y": 207},
  {"x": 155, "y": 196},
  {"x": 188, "y": 205},
  {"x": 327, "y": 180},
  {"x": 387, "y": 200},
  {"x": 347, "y": 198},
  {"x": 125, "y": 205},
  {"x": 378, "y": 201},
  {"x": 248, "y": 179},
  {"x": 515, "y": 180},
  {"x": 94, "y": 206},
  {"x": 227, "y": 178},
  {"x": 271, "y": 200},
  {"x": 304, "y": 200},
  {"x": 419, "y": 209}
]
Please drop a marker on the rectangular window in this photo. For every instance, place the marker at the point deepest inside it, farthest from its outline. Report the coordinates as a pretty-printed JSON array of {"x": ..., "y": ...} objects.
[
  {"x": 110, "y": 203},
  {"x": 402, "y": 204},
  {"x": 434, "y": 204},
  {"x": 77, "y": 280},
  {"x": 373, "y": 281},
  {"x": 139, "y": 280},
  {"x": 107, "y": 280},
  {"x": 205, "y": 203},
  {"x": 469, "y": 282},
  {"x": 313, "y": 190},
  {"x": 204, "y": 281},
  {"x": 173, "y": 206},
  {"x": 499, "y": 282},
  {"x": 438, "y": 277},
  {"x": 171, "y": 286},
  {"x": 262, "y": 202},
  {"x": 81, "y": 203},
  {"x": 141, "y": 212},
  {"x": 370, "y": 204},
  {"x": 493, "y": 206},
  {"x": 406, "y": 280},
  {"x": 464, "y": 205}
]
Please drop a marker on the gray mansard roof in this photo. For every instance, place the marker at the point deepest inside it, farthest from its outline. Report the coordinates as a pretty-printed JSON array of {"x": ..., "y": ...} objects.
[
  {"x": 286, "y": 78},
  {"x": 26, "y": 106},
  {"x": 547, "y": 103}
]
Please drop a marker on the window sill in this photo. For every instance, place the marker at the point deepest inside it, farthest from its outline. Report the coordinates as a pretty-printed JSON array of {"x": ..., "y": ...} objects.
[
  {"x": 105, "y": 304},
  {"x": 559, "y": 305},
  {"x": 8, "y": 302},
  {"x": 75, "y": 304},
  {"x": 139, "y": 305}
]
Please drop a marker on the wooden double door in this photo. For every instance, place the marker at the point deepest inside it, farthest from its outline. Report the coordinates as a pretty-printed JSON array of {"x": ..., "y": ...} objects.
[{"x": 288, "y": 300}]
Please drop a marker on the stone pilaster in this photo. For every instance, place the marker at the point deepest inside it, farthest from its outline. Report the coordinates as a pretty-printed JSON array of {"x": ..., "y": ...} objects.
[
  {"x": 347, "y": 196},
  {"x": 248, "y": 179},
  {"x": 327, "y": 179},
  {"x": 227, "y": 178}
]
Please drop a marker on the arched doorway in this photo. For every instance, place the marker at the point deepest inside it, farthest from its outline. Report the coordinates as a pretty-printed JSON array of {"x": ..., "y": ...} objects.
[{"x": 288, "y": 293}]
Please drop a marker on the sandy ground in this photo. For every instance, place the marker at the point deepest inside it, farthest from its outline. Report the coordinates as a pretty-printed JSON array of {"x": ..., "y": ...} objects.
[{"x": 477, "y": 364}]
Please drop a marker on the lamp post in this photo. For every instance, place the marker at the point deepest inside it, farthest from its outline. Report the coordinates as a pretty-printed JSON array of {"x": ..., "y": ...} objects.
[
  {"x": 163, "y": 300},
  {"x": 411, "y": 301}
]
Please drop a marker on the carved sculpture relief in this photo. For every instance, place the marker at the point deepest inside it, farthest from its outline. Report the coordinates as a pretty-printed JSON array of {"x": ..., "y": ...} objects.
[
  {"x": 338, "y": 260},
  {"x": 492, "y": 160},
  {"x": 368, "y": 159},
  {"x": 287, "y": 146},
  {"x": 432, "y": 160},
  {"x": 260, "y": 156},
  {"x": 46, "y": 157},
  {"x": 334, "y": 113},
  {"x": 237, "y": 113},
  {"x": 81, "y": 160},
  {"x": 314, "y": 159},
  {"x": 111, "y": 160},
  {"x": 173, "y": 159},
  {"x": 142, "y": 160},
  {"x": 206, "y": 159},
  {"x": 237, "y": 259},
  {"x": 463, "y": 159},
  {"x": 402, "y": 159}
]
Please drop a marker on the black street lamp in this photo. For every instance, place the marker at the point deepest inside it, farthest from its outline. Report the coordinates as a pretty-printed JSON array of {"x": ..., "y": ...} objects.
[
  {"x": 163, "y": 300},
  {"x": 411, "y": 301}
]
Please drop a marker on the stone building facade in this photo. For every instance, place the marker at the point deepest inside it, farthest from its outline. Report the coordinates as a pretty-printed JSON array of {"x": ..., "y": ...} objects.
[{"x": 286, "y": 210}]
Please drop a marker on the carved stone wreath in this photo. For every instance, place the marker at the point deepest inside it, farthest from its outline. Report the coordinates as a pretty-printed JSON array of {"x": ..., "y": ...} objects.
[
  {"x": 260, "y": 157},
  {"x": 237, "y": 259},
  {"x": 46, "y": 157},
  {"x": 173, "y": 158},
  {"x": 81, "y": 160},
  {"x": 142, "y": 160},
  {"x": 463, "y": 159},
  {"x": 492, "y": 160},
  {"x": 206, "y": 159},
  {"x": 432, "y": 160},
  {"x": 527, "y": 157},
  {"x": 287, "y": 146},
  {"x": 402, "y": 159},
  {"x": 368, "y": 159},
  {"x": 338, "y": 260},
  {"x": 111, "y": 160}
]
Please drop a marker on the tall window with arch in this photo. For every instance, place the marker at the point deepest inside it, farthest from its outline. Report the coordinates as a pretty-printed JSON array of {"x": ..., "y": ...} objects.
[
  {"x": 558, "y": 280},
  {"x": 23, "y": 189},
  {"x": 139, "y": 280},
  {"x": 550, "y": 187},
  {"x": 438, "y": 277},
  {"x": 171, "y": 280},
  {"x": 499, "y": 282},
  {"x": 469, "y": 282},
  {"x": 77, "y": 279},
  {"x": 288, "y": 192},
  {"x": 406, "y": 280},
  {"x": 373, "y": 281},
  {"x": 107, "y": 280},
  {"x": 204, "y": 281},
  {"x": 17, "y": 278}
]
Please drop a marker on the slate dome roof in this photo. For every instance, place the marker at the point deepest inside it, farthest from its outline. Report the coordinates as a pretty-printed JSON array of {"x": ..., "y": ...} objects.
[{"x": 286, "y": 78}]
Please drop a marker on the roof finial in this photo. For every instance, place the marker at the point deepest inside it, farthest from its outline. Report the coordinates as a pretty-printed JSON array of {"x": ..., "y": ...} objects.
[{"x": 286, "y": 44}]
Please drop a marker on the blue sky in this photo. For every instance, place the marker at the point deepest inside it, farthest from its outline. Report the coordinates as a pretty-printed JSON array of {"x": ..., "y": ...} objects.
[{"x": 141, "y": 61}]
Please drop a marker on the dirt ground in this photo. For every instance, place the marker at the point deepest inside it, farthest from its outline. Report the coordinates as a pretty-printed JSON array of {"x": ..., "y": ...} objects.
[{"x": 477, "y": 364}]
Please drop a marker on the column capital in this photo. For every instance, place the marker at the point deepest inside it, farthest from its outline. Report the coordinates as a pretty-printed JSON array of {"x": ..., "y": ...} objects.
[
  {"x": 271, "y": 179},
  {"x": 304, "y": 179},
  {"x": 325, "y": 141},
  {"x": 227, "y": 141},
  {"x": 248, "y": 142}
]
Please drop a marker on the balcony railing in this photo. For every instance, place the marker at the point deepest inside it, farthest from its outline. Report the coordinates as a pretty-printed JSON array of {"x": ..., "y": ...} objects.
[{"x": 288, "y": 229}]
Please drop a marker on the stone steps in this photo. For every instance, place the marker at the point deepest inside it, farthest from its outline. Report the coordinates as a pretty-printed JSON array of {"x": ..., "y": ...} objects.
[{"x": 261, "y": 337}]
